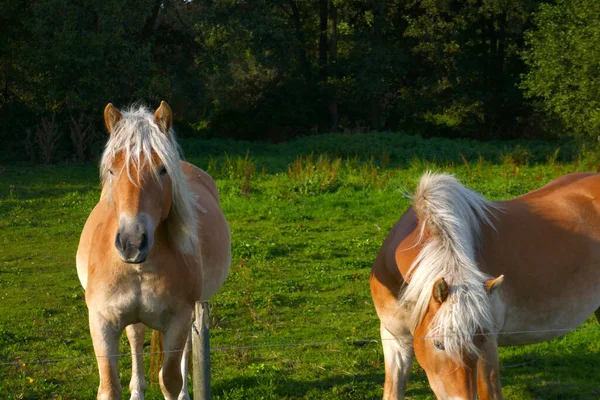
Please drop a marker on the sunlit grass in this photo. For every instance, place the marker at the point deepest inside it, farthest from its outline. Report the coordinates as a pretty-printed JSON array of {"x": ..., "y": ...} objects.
[{"x": 306, "y": 229}]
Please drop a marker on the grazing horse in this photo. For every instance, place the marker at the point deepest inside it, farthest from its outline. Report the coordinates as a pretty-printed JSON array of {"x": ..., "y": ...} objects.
[
  {"x": 156, "y": 242},
  {"x": 434, "y": 289}
]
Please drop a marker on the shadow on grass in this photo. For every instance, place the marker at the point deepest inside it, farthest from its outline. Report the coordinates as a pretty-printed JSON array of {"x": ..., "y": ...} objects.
[
  {"x": 366, "y": 386},
  {"x": 24, "y": 182},
  {"x": 560, "y": 376},
  {"x": 279, "y": 250}
]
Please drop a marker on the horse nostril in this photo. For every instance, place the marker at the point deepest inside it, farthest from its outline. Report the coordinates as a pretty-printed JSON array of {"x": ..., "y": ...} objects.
[
  {"x": 144, "y": 242},
  {"x": 118, "y": 243}
]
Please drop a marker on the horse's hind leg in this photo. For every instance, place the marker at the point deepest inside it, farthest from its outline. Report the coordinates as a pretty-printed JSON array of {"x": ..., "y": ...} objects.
[
  {"x": 398, "y": 357},
  {"x": 175, "y": 338},
  {"x": 137, "y": 385},
  {"x": 185, "y": 359}
]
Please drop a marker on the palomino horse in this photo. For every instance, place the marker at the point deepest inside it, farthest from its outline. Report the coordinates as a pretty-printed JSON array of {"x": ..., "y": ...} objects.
[
  {"x": 156, "y": 242},
  {"x": 433, "y": 287}
]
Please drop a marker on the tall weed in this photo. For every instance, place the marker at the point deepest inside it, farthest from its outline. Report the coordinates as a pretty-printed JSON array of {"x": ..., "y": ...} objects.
[
  {"x": 588, "y": 158},
  {"x": 372, "y": 176},
  {"x": 82, "y": 136},
  {"x": 234, "y": 168},
  {"x": 44, "y": 141},
  {"x": 310, "y": 176},
  {"x": 231, "y": 167}
]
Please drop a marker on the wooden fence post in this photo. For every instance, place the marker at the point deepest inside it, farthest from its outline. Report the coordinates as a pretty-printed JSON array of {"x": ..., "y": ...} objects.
[{"x": 201, "y": 352}]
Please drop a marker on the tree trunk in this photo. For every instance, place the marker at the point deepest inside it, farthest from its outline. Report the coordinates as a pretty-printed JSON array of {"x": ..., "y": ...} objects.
[
  {"x": 148, "y": 29},
  {"x": 493, "y": 36},
  {"x": 501, "y": 40},
  {"x": 333, "y": 104},
  {"x": 305, "y": 65},
  {"x": 323, "y": 41},
  {"x": 378, "y": 48}
]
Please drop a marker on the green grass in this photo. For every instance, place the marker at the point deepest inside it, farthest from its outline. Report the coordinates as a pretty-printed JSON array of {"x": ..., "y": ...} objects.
[{"x": 306, "y": 228}]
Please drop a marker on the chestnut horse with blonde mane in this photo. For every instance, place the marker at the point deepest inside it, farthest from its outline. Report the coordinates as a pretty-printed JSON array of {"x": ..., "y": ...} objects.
[
  {"x": 460, "y": 275},
  {"x": 156, "y": 242}
]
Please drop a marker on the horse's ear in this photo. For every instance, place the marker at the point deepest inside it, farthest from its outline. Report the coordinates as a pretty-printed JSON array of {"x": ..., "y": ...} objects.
[
  {"x": 493, "y": 284},
  {"x": 440, "y": 290},
  {"x": 163, "y": 117},
  {"x": 111, "y": 117}
]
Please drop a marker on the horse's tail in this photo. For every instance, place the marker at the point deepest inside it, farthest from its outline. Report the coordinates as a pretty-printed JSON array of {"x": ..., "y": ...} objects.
[{"x": 157, "y": 354}]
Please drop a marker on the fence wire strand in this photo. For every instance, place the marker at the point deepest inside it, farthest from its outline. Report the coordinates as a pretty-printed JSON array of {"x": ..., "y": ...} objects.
[{"x": 284, "y": 345}]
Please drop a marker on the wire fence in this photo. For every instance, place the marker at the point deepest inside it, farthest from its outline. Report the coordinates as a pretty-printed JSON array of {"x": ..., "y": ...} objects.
[{"x": 293, "y": 344}]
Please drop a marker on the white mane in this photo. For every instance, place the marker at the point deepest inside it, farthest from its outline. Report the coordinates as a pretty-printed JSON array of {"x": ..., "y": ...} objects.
[
  {"x": 452, "y": 215},
  {"x": 138, "y": 137}
]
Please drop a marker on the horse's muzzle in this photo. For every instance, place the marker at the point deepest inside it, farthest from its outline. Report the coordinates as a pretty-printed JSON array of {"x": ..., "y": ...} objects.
[{"x": 131, "y": 241}]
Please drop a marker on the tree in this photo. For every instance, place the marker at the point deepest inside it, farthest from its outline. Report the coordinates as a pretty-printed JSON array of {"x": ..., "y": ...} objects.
[
  {"x": 70, "y": 58},
  {"x": 563, "y": 54},
  {"x": 275, "y": 69},
  {"x": 468, "y": 57},
  {"x": 333, "y": 55}
]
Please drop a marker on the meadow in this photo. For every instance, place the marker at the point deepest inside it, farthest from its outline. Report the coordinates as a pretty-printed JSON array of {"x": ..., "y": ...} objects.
[{"x": 295, "y": 318}]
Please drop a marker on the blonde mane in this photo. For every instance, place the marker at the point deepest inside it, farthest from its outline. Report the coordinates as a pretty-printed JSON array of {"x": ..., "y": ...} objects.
[
  {"x": 138, "y": 137},
  {"x": 451, "y": 215}
]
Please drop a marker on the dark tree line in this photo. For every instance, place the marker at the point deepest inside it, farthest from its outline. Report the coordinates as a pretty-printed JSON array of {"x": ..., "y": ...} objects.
[{"x": 275, "y": 69}]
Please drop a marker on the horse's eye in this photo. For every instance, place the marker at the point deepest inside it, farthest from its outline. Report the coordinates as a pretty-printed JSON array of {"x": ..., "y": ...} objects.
[
  {"x": 439, "y": 345},
  {"x": 110, "y": 171},
  {"x": 162, "y": 170}
]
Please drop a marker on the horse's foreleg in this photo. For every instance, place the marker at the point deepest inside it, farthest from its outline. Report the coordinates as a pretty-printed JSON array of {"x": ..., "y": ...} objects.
[
  {"x": 105, "y": 337},
  {"x": 398, "y": 357},
  {"x": 137, "y": 385},
  {"x": 175, "y": 338},
  {"x": 488, "y": 372}
]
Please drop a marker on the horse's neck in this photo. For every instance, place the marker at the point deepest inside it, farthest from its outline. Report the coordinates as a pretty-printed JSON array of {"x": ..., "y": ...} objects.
[
  {"x": 104, "y": 192},
  {"x": 161, "y": 235}
]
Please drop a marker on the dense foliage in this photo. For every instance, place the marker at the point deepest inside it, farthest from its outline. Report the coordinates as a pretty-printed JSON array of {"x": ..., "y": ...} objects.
[
  {"x": 564, "y": 56},
  {"x": 274, "y": 70}
]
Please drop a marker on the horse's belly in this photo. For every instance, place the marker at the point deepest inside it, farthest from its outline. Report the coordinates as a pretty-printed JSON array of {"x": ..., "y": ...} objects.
[
  {"x": 157, "y": 312},
  {"x": 529, "y": 336},
  {"x": 547, "y": 322}
]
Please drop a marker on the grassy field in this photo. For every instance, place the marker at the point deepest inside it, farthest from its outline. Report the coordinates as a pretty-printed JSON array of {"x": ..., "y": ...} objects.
[{"x": 306, "y": 228}]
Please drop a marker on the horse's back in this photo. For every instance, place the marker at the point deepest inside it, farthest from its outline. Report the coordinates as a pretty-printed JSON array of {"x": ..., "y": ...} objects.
[
  {"x": 547, "y": 244},
  {"x": 571, "y": 201},
  {"x": 569, "y": 182},
  {"x": 214, "y": 234},
  {"x": 201, "y": 183}
]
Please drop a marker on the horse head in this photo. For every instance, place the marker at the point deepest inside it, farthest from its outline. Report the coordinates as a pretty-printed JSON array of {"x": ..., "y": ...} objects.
[
  {"x": 137, "y": 174},
  {"x": 451, "y": 359}
]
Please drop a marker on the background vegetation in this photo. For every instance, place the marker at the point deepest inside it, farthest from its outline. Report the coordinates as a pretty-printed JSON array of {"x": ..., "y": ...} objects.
[
  {"x": 274, "y": 70},
  {"x": 274, "y": 99},
  {"x": 307, "y": 219}
]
